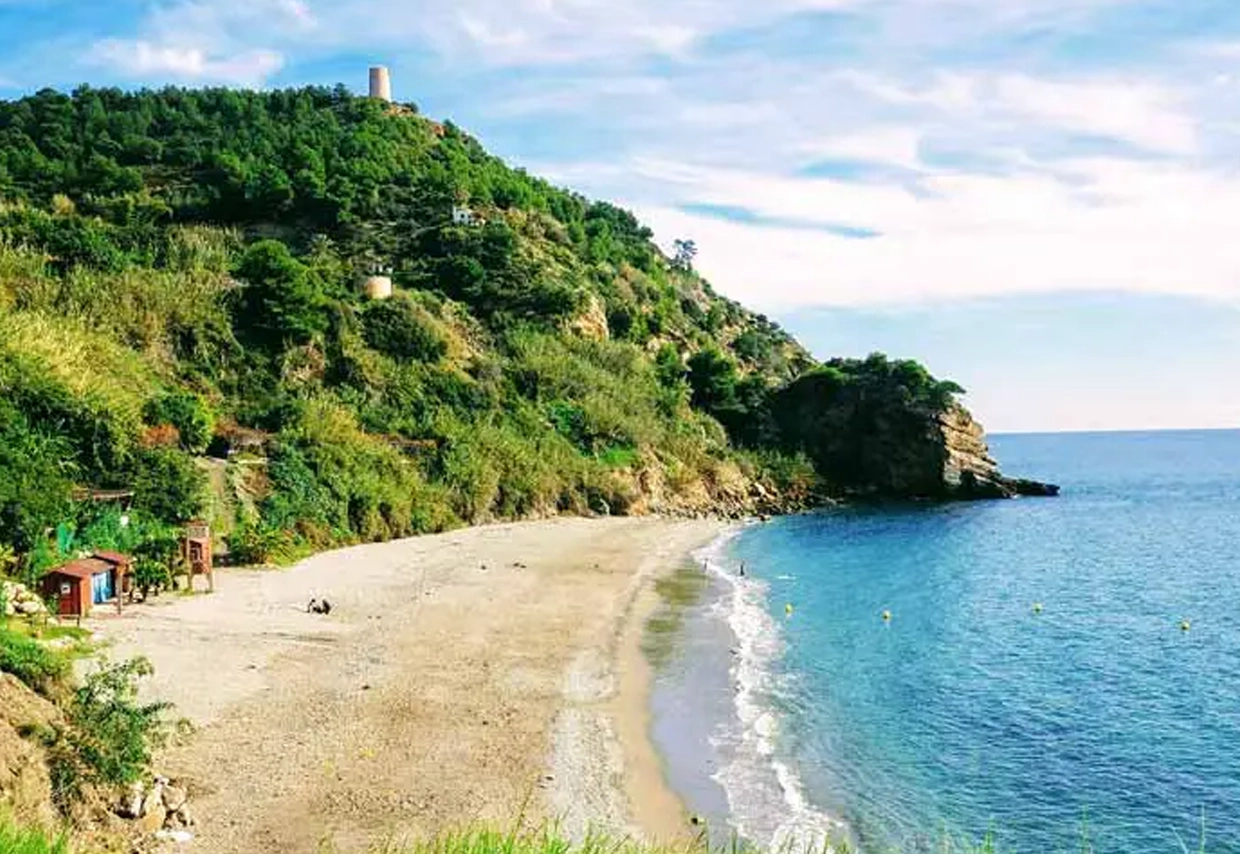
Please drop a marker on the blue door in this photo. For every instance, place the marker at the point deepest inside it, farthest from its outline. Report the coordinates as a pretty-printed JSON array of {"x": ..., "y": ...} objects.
[{"x": 101, "y": 588}]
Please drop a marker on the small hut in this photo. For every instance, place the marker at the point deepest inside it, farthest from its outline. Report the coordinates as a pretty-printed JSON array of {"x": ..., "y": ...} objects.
[{"x": 96, "y": 580}]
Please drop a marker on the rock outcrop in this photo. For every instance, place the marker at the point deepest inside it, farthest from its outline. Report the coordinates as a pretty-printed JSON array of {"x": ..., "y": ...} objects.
[
  {"x": 19, "y": 601},
  {"x": 888, "y": 430},
  {"x": 968, "y": 469}
]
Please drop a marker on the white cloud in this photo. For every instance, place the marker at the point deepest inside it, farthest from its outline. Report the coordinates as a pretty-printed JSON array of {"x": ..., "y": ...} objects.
[
  {"x": 1157, "y": 229},
  {"x": 1141, "y": 113},
  {"x": 145, "y": 60},
  {"x": 226, "y": 41},
  {"x": 1137, "y": 111},
  {"x": 892, "y": 144}
]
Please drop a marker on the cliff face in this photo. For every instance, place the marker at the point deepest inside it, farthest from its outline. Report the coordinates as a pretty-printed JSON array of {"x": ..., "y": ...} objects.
[
  {"x": 884, "y": 429},
  {"x": 968, "y": 470}
]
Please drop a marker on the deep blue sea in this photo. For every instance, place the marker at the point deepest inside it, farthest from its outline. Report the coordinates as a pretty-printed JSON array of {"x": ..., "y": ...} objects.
[{"x": 970, "y": 710}]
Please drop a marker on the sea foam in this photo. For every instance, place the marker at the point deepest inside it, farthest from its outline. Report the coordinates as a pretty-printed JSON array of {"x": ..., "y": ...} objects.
[{"x": 766, "y": 798}]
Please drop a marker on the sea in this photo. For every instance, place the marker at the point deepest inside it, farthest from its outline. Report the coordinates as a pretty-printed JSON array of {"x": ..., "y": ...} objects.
[{"x": 1055, "y": 674}]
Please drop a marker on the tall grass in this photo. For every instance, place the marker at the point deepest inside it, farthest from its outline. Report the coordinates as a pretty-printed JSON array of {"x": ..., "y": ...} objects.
[
  {"x": 18, "y": 840},
  {"x": 549, "y": 839}
]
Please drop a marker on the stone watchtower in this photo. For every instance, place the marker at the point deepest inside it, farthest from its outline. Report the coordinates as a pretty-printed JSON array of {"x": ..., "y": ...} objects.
[{"x": 381, "y": 83}]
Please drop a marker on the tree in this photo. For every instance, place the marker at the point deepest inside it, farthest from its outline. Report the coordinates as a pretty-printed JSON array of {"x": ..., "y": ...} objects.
[
  {"x": 403, "y": 330},
  {"x": 168, "y": 485},
  {"x": 712, "y": 376},
  {"x": 188, "y": 413},
  {"x": 685, "y": 251},
  {"x": 281, "y": 303},
  {"x": 36, "y": 480}
]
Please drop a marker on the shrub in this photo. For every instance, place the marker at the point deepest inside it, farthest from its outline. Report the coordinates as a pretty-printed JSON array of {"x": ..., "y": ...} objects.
[
  {"x": 31, "y": 662},
  {"x": 712, "y": 376},
  {"x": 110, "y": 735},
  {"x": 281, "y": 304},
  {"x": 253, "y": 542},
  {"x": 404, "y": 330},
  {"x": 15, "y": 839},
  {"x": 151, "y": 576},
  {"x": 168, "y": 485},
  {"x": 188, "y": 413},
  {"x": 36, "y": 479}
]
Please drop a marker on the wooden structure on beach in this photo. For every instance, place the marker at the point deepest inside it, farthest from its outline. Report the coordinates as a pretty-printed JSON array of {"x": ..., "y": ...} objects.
[
  {"x": 196, "y": 552},
  {"x": 79, "y": 585}
]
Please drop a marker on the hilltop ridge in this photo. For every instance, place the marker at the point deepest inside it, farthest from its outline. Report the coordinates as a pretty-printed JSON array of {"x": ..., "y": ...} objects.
[{"x": 180, "y": 281}]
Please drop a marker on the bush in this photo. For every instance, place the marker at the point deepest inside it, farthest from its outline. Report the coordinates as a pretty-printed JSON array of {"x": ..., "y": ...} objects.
[
  {"x": 151, "y": 575},
  {"x": 403, "y": 330},
  {"x": 168, "y": 485},
  {"x": 110, "y": 736},
  {"x": 252, "y": 543},
  {"x": 15, "y": 839},
  {"x": 282, "y": 303},
  {"x": 36, "y": 479},
  {"x": 188, "y": 413},
  {"x": 31, "y": 662}
]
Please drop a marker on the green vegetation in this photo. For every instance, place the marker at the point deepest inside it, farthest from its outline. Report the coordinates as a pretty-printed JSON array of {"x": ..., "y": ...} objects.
[
  {"x": 109, "y": 735},
  {"x": 31, "y": 662},
  {"x": 179, "y": 275},
  {"x": 15, "y": 839},
  {"x": 549, "y": 839}
]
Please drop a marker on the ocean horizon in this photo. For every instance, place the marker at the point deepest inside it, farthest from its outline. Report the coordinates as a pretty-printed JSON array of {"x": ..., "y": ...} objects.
[{"x": 1042, "y": 670}]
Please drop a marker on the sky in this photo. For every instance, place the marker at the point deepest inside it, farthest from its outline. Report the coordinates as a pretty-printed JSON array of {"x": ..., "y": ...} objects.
[{"x": 1037, "y": 198}]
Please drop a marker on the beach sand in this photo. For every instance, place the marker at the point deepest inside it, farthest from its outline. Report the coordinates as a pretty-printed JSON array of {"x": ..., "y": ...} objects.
[{"x": 478, "y": 675}]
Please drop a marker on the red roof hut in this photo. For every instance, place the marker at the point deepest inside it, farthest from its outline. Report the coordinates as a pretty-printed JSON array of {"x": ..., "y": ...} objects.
[{"x": 80, "y": 584}]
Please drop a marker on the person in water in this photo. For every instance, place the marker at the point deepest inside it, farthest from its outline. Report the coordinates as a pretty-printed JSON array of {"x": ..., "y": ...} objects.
[{"x": 742, "y": 569}]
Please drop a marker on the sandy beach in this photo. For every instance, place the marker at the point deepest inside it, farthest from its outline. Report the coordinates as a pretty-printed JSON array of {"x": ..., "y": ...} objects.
[{"x": 472, "y": 676}]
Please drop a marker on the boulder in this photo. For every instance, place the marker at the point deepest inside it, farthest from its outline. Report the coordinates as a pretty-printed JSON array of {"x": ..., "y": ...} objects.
[
  {"x": 131, "y": 804},
  {"x": 174, "y": 798},
  {"x": 153, "y": 819},
  {"x": 154, "y": 800},
  {"x": 181, "y": 818}
]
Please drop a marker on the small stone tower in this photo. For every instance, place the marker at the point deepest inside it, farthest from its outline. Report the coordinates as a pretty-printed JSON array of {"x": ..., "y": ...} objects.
[{"x": 381, "y": 83}]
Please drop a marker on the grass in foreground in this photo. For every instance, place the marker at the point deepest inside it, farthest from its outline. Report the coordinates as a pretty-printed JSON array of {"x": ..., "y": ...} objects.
[
  {"x": 17, "y": 840},
  {"x": 549, "y": 839}
]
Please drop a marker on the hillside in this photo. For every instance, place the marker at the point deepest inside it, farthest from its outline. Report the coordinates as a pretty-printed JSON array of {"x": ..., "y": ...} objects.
[{"x": 182, "y": 316}]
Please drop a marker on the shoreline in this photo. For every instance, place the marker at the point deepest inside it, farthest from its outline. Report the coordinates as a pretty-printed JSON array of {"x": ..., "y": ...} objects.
[
  {"x": 481, "y": 675},
  {"x": 750, "y": 788}
]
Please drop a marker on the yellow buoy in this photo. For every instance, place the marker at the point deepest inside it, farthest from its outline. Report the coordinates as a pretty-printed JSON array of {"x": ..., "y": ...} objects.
[
  {"x": 886, "y": 616},
  {"x": 1185, "y": 625},
  {"x": 788, "y": 609},
  {"x": 1037, "y": 607}
]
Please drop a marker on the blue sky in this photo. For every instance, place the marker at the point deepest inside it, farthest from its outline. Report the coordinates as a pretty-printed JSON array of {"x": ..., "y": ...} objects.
[{"x": 1038, "y": 198}]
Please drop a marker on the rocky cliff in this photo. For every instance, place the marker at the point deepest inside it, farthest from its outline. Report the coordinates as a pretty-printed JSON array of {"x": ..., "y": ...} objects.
[
  {"x": 887, "y": 429},
  {"x": 968, "y": 470}
]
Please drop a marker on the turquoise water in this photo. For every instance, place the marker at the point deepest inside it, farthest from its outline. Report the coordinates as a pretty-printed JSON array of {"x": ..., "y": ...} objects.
[{"x": 970, "y": 712}]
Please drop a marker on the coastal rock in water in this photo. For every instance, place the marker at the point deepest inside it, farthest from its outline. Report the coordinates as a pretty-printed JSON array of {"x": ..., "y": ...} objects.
[
  {"x": 883, "y": 429},
  {"x": 969, "y": 471}
]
